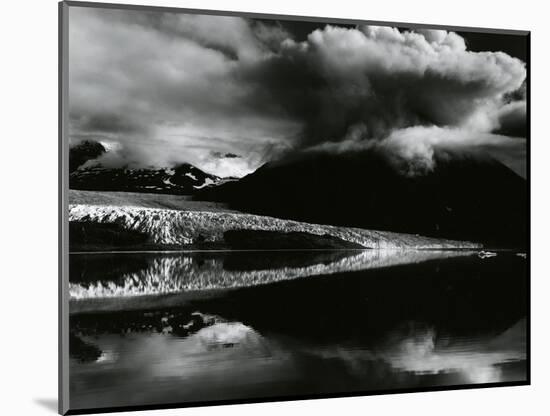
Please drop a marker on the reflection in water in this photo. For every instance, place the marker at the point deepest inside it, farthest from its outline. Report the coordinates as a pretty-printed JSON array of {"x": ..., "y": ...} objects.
[
  {"x": 420, "y": 352},
  {"x": 451, "y": 321},
  {"x": 422, "y": 355},
  {"x": 188, "y": 272}
]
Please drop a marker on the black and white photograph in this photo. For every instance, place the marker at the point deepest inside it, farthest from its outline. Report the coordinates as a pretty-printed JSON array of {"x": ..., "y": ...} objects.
[{"x": 272, "y": 208}]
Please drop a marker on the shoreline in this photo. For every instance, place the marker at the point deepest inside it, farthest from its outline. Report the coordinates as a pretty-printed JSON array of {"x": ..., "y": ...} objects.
[{"x": 191, "y": 251}]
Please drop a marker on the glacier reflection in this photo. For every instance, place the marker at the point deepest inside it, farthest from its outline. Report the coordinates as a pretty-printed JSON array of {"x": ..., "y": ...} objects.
[
  {"x": 377, "y": 320},
  {"x": 173, "y": 273}
]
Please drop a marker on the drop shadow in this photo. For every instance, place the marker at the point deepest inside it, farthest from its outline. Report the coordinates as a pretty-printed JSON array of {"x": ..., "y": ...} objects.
[{"x": 48, "y": 404}]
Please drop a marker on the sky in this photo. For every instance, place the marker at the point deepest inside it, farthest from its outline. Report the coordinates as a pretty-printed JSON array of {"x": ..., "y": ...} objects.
[{"x": 228, "y": 94}]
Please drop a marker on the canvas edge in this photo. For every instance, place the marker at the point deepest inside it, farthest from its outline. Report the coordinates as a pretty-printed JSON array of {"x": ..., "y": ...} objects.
[
  {"x": 124, "y": 6},
  {"x": 63, "y": 261},
  {"x": 280, "y": 399},
  {"x": 63, "y": 186},
  {"x": 529, "y": 193}
]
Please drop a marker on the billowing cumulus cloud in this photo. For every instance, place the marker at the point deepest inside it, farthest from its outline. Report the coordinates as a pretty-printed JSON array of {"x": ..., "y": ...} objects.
[
  {"x": 367, "y": 82},
  {"x": 172, "y": 88}
]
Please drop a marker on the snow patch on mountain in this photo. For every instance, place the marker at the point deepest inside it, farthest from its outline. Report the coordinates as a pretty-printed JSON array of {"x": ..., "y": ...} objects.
[{"x": 207, "y": 182}]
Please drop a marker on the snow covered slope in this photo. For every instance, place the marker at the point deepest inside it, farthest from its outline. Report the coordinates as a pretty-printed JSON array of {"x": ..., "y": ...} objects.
[{"x": 176, "y": 228}]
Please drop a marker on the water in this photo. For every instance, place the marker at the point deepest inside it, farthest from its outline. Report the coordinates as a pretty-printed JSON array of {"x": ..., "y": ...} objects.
[{"x": 172, "y": 328}]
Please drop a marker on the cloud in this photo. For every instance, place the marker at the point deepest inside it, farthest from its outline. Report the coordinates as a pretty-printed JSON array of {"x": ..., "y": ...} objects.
[
  {"x": 384, "y": 79},
  {"x": 173, "y": 88},
  {"x": 414, "y": 150},
  {"x": 105, "y": 122},
  {"x": 224, "y": 155},
  {"x": 166, "y": 87}
]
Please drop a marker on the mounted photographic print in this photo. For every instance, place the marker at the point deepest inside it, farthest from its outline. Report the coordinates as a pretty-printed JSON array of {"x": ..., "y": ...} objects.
[{"x": 262, "y": 208}]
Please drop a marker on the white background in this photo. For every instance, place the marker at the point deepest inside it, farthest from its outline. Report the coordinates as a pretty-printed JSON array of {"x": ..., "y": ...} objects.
[{"x": 28, "y": 149}]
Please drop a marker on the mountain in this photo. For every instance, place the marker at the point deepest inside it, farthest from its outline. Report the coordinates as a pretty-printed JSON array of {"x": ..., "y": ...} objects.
[
  {"x": 182, "y": 179},
  {"x": 84, "y": 151},
  {"x": 466, "y": 196}
]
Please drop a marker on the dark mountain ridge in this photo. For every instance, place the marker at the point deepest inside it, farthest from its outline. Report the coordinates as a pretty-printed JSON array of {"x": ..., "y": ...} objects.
[
  {"x": 84, "y": 151},
  {"x": 466, "y": 196},
  {"x": 184, "y": 179}
]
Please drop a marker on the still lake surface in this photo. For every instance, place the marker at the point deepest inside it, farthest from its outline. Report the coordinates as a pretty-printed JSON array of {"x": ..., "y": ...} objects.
[{"x": 157, "y": 328}]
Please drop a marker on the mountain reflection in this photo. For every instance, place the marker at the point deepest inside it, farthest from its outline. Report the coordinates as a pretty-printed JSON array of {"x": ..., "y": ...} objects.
[
  {"x": 198, "y": 363},
  {"x": 369, "y": 321}
]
